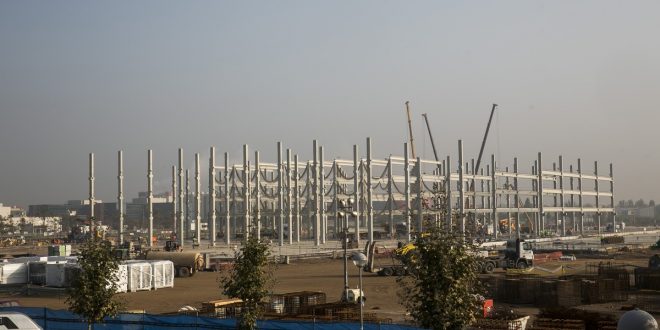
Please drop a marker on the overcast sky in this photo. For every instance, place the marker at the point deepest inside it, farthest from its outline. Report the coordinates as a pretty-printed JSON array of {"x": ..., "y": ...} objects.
[{"x": 577, "y": 78}]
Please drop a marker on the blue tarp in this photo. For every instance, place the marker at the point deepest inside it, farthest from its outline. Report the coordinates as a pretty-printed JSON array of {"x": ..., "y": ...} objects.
[{"x": 65, "y": 320}]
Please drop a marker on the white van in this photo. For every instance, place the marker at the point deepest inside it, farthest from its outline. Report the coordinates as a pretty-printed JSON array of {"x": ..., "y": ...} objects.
[{"x": 16, "y": 320}]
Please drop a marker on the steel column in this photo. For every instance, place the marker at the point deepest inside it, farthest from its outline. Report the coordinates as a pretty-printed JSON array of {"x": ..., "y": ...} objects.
[
  {"x": 227, "y": 203},
  {"x": 370, "y": 207},
  {"x": 212, "y": 215},
  {"x": 120, "y": 194},
  {"x": 406, "y": 170},
  {"x": 181, "y": 200},
  {"x": 150, "y": 196}
]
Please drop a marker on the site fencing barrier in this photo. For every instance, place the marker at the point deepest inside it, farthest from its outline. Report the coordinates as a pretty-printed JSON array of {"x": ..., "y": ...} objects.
[{"x": 64, "y": 320}]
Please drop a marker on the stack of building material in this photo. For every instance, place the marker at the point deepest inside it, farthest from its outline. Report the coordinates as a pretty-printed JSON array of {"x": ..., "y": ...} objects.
[
  {"x": 291, "y": 303},
  {"x": 139, "y": 275},
  {"x": 13, "y": 273},
  {"x": 223, "y": 308},
  {"x": 59, "y": 250},
  {"x": 163, "y": 273}
]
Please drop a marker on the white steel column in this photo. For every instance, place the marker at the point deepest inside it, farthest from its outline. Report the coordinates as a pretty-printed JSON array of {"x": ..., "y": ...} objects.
[
  {"x": 315, "y": 185},
  {"x": 507, "y": 190},
  {"x": 580, "y": 198},
  {"x": 174, "y": 198},
  {"x": 227, "y": 204},
  {"x": 187, "y": 211},
  {"x": 420, "y": 202},
  {"x": 335, "y": 198},
  {"x": 324, "y": 217},
  {"x": 561, "y": 197},
  {"x": 296, "y": 196},
  {"x": 554, "y": 196},
  {"x": 257, "y": 193},
  {"x": 483, "y": 200},
  {"x": 212, "y": 215},
  {"x": 288, "y": 196},
  {"x": 356, "y": 188},
  {"x": 369, "y": 206},
  {"x": 198, "y": 201},
  {"x": 120, "y": 194},
  {"x": 406, "y": 171},
  {"x": 572, "y": 187},
  {"x": 612, "y": 198},
  {"x": 540, "y": 193},
  {"x": 280, "y": 194},
  {"x": 449, "y": 196},
  {"x": 150, "y": 197},
  {"x": 246, "y": 193},
  {"x": 181, "y": 200},
  {"x": 390, "y": 194},
  {"x": 493, "y": 195},
  {"x": 516, "y": 197},
  {"x": 461, "y": 188},
  {"x": 597, "y": 197},
  {"x": 92, "y": 199}
]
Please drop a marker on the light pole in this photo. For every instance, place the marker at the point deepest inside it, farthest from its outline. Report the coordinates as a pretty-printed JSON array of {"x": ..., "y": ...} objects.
[
  {"x": 360, "y": 260},
  {"x": 346, "y": 207}
]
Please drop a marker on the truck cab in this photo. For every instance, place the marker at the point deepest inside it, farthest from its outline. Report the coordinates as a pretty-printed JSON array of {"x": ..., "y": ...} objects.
[{"x": 518, "y": 254}]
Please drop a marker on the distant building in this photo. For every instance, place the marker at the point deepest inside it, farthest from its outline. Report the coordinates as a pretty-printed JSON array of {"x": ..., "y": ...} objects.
[
  {"x": 38, "y": 225},
  {"x": 641, "y": 212},
  {"x": 71, "y": 208},
  {"x": 5, "y": 211}
]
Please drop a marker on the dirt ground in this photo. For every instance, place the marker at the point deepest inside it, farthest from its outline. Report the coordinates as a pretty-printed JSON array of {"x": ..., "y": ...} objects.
[
  {"x": 324, "y": 275},
  {"x": 312, "y": 275}
]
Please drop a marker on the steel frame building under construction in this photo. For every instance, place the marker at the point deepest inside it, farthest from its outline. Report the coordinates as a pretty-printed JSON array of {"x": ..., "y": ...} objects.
[{"x": 299, "y": 200}]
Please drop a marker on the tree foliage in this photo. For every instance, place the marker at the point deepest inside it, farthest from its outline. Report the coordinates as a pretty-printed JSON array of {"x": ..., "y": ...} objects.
[
  {"x": 92, "y": 292},
  {"x": 441, "y": 290},
  {"x": 250, "y": 280}
]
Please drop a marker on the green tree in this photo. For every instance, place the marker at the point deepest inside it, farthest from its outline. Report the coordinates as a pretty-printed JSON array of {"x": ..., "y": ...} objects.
[
  {"x": 250, "y": 280},
  {"x": 92, "y": 291},
  {"x": 441, "y": 290}
]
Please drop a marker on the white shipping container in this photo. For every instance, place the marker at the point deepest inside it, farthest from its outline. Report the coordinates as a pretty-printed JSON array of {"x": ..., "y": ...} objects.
[
  {"x": 163, "y": 273},
  {"x": 139, "y": 275},
  {"x": 13, "y": 273}
]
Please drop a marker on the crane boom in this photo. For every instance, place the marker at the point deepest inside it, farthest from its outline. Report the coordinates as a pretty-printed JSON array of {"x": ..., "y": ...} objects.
[
  {"x": 428, "y": 127},
  {"x": 410, "y": 131},
  {"x": 483, "y": 143}
]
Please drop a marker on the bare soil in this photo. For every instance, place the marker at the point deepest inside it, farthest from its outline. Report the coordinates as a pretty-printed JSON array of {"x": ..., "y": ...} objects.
[{"x": 314, "y": 275}]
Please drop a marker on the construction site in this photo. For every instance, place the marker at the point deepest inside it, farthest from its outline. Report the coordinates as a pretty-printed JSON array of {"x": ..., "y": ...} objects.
[{"x": 547, "y": 230}]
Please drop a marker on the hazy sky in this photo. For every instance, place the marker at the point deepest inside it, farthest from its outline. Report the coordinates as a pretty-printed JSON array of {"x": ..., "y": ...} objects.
[{"x": 578, "y": 78}]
